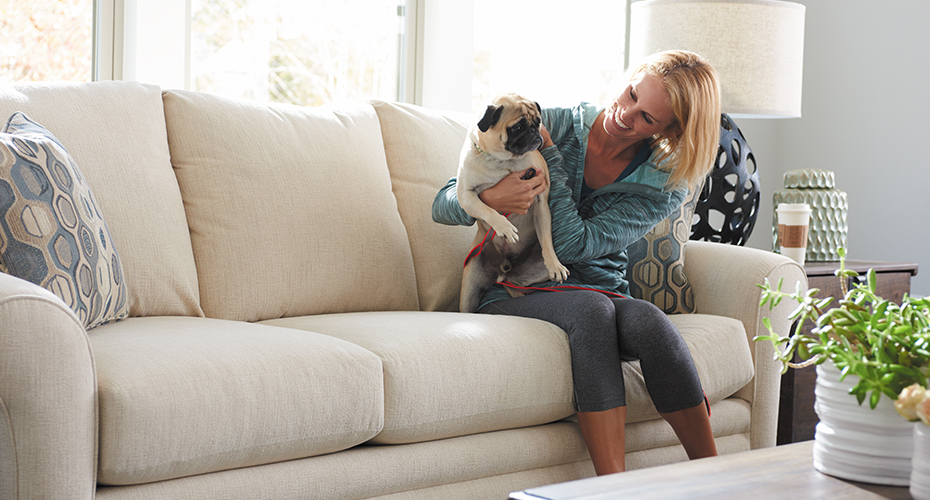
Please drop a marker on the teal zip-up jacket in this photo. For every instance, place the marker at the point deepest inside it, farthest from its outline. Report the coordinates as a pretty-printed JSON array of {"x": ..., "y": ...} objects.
[{"x": 590, "y": 236}]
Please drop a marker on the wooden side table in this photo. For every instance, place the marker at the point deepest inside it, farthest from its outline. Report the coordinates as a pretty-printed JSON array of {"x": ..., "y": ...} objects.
[{"x": 796, "y": 417}]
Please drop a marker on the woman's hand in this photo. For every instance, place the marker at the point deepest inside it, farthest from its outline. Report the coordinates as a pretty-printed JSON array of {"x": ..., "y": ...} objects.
[
  {"x": 547, "y": 140},
  {"x": 513, "y": 194}
]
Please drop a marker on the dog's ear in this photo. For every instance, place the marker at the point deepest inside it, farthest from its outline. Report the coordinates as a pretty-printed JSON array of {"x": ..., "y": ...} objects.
[
  {"x": 538, "y": 107},
  {"x": 490, "y": 118}
]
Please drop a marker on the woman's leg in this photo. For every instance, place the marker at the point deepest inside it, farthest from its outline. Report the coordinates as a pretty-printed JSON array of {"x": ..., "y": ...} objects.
[
  {"x": 589, "y": 319},
  {"x": 604, "y": 434},
  {"x": 599, "y": 330},
  {"x": 668, "y": 369},
  {"x": 692, "y": 426}
]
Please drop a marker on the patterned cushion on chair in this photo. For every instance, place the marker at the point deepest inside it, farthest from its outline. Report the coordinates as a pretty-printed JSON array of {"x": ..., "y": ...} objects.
[
  {"x": 51, "y": 229},
  {"x": 656, "y": 261}
]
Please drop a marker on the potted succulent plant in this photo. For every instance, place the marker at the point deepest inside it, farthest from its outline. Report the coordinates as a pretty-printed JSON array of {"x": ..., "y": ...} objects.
[
  {"x": 887, "y": 345},
  {"x": 875, "y": 347}
]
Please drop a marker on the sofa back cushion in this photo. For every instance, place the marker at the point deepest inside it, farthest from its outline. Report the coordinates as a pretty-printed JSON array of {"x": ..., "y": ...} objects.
[
  {"x": 115, "y": 131},
  {"x": 290, "y": 209},
  {"x": 423, "y": 148}
]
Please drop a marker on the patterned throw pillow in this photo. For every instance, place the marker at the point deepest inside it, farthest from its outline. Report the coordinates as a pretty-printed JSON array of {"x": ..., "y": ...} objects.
[
  {"x": 657, "y": 262},
  {"x": 51, "y": 229}
]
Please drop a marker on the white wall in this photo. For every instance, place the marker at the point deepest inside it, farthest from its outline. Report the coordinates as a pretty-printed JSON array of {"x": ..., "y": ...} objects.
[{"x": 866, "y": 106}]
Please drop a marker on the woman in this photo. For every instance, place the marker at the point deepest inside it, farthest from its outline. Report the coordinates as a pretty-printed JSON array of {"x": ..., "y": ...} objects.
[{"x": 615, "y": 173}]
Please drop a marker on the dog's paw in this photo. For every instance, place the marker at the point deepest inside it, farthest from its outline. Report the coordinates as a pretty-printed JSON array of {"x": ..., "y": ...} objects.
[
  {"x": 558, "y": 272},
  {"x": 508, "y": 232}
]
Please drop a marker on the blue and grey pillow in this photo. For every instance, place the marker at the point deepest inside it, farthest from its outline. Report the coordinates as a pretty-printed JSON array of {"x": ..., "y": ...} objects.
[
  {"x": 656, "y": 270},
  {"x": 51, "y": 230}
]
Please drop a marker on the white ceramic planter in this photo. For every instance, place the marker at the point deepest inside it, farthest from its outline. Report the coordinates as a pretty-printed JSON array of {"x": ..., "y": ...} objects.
[
  {"x": 920, "y": 472},
  {"x": 855, "y": 442}
]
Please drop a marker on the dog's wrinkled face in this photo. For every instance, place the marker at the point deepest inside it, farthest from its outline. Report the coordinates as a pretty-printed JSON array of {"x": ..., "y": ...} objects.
[{"x": 510, "y": 126}]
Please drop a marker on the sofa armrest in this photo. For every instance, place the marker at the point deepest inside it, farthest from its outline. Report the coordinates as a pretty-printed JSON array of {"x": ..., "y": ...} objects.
[
  {"x": 724, "y": 279},
  {"x": 48, "y": 397}
]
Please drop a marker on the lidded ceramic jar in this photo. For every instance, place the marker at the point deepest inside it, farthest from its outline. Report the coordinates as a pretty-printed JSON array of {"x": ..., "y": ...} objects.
[{"x": 829, "y": 206}]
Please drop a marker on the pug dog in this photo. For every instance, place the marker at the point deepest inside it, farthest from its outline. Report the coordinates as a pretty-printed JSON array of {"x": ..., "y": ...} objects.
[{"x": 506, "y": 140}]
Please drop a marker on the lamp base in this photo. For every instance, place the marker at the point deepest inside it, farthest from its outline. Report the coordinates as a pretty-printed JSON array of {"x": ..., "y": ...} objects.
[{"x": 728, "y": 205}]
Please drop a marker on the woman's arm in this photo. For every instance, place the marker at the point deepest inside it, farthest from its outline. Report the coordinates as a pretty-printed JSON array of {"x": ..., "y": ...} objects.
[
  {"x": 446, "y": 208},
  {"x": 615, "y": 227},
  {"x": 512, "y": 194}
]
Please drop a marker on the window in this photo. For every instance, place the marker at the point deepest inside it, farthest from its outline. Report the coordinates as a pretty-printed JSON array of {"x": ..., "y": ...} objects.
[
  {"x": 46, "y": 40},
  {"x": 296, "y": 51},
  {"x": 554, "y": 52},
  {"x": 551, "y": 51},
  {"x": 451, "y": 55}
]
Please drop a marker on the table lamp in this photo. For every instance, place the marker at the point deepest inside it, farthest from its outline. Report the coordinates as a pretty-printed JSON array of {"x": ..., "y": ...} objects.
[{"x": 757, "y": 48}]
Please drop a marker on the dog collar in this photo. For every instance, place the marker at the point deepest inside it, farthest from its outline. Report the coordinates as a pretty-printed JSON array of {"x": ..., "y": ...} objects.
[{"x": 480, "y": 150}]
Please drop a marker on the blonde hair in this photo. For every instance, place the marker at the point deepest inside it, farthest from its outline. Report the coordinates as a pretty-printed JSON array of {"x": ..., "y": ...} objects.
[{"x": 694, "y": 100}]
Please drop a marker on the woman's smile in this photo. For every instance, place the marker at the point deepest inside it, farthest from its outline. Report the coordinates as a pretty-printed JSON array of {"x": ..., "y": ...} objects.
[{"x": 613, "y": 124}]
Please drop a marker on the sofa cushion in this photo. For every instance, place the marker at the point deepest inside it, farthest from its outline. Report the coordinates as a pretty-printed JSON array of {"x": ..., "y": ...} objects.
[
  {"x": 290, "y": 209},
  {"x": 657, "y": 261},
  {"x": 115, "y": 131},
  {"x": 422, "y": 148},
  {"x": 451, "y": 374},
  {"x": 183, "y": 396},
  {"x": 52, "y": 232}
]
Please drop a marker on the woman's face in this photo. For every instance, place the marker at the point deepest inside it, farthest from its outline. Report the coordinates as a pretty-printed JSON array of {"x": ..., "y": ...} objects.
[{"x": 640, "y": 111}]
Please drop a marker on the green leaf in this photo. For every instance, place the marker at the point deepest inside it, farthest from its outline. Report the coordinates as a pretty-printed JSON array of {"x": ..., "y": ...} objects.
[
  {"x": 803, "y": 352},
  {"x": 797, "y": 312},
  {"x": 873, "y": 401},
  {"x": 824, "y": 303}
]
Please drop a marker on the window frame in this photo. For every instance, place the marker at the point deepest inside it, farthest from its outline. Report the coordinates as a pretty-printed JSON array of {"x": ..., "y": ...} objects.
[{"x": 107, "y": 41}]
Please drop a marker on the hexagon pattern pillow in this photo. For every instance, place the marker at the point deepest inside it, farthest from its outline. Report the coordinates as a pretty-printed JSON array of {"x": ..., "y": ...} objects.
[
  {"x": 656, "y": 269},
  {"x": 51, "y": 230}
]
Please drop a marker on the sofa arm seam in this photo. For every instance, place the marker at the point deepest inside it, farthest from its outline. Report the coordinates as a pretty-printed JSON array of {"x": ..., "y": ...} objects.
[
  {"x": 12, "y": 438},
  {"x": 56, "y": 303}
]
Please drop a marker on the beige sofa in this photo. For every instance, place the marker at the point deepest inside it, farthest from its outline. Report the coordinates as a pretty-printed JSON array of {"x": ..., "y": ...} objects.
[{"x": 292, "y": 332}]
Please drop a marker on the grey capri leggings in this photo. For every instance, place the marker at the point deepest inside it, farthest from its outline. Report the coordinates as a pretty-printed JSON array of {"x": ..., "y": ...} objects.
[{"x": 602, "y": 331}]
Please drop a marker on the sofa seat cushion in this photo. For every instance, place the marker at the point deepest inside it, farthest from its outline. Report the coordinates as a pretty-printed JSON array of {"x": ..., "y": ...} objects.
[
  {"x": 290, "y": 209},
  {"x": 451, "y": 374},
  {"x": 184, "y": 396},
  {"x": 116, "y": 132}
]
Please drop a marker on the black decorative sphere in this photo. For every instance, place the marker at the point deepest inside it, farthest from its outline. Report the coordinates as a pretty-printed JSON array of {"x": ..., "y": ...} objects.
[{"x": 727, "y": 207}]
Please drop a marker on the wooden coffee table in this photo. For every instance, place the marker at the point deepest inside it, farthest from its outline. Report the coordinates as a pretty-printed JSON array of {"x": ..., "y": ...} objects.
[{"x": 781, "y": 472}]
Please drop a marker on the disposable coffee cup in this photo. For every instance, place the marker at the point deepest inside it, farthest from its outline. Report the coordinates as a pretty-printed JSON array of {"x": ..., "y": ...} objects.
[{"x": 793, "y": 223}]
